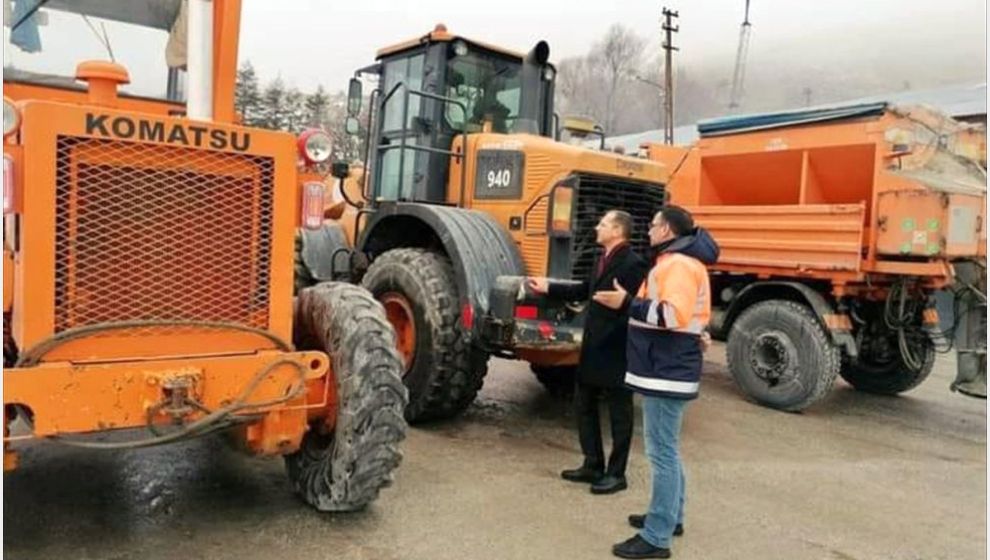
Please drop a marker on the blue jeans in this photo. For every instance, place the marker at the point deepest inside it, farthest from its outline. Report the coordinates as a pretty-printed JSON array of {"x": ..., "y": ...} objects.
[{"x": 662, "y": 432}]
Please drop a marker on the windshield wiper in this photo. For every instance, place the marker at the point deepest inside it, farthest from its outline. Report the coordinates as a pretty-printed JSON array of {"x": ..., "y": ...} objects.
[{"x": 34, "y": 9}]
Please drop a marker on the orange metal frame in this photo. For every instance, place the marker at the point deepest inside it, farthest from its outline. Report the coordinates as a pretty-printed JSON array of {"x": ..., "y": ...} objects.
[{"x": 109, "y": 381}]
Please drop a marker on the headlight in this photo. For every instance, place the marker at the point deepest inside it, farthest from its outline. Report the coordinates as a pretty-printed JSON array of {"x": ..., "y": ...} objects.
[
  {"x": 11, "y": 118},
  {"x": 460, "y": 48},
  {"x": 548, "y": 73},
  {"x": 315, "y": 146}
]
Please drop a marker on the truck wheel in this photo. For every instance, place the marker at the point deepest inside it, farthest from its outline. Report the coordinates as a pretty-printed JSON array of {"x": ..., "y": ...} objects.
[
  {"x": 344, "y": 469},
  {"x": 557, "y": 380},
  {"x": 882, "y": 370},
  {"x": 442, "y": 371},
  {"x": 781, "y": 355}
]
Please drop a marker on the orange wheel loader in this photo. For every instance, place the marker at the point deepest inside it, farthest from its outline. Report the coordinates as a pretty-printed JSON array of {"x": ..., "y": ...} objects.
[
  {"x": 467, "y": 189},
  {"x": 148, "y": 246}
]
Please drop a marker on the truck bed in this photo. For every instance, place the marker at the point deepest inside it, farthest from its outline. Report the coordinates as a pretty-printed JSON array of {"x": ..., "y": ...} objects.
[{"x": 791, "y": 238}]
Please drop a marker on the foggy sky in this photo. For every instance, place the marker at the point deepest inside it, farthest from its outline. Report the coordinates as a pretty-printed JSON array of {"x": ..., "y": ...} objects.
[{"x": 311, "y": 42}]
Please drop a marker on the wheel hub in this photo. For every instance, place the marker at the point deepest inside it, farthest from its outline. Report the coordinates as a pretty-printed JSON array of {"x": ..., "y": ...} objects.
[
  {"x": 771, "y": 357},
  {"x": 400, "y": 314}
]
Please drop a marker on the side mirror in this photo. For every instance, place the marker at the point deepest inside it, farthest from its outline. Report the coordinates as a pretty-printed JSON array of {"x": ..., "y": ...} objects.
[
  {"x": 354, "y": 97},
  {"x": 351, "y": 126}
]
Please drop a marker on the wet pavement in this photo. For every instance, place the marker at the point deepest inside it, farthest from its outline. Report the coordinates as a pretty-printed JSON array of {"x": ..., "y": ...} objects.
[{"x": 857, "y": 477}]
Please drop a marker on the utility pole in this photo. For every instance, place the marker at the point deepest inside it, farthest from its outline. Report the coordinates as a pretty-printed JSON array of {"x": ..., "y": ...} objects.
[{"x": 668, "y": 94}]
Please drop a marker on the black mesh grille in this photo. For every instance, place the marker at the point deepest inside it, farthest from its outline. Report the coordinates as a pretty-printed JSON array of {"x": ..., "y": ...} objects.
[
  {"x": 597, "y": 195},
  {"x": 155, "y": 233}
]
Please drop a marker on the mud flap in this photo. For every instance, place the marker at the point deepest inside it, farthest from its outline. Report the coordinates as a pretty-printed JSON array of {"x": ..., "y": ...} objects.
[
  {"x": 326, "y": 253},
  {"x": 971, "y": 331}
]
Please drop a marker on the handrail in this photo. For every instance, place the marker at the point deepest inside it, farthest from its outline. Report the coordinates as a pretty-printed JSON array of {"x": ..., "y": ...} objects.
[
  {"x": 368, "y": 166},
  {"x": 403, "y": 146}
]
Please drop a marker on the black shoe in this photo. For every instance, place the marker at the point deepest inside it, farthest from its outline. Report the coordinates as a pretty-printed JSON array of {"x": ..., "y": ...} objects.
[
  {"x": 581, "y": 474},
  {"x": 608, "y": 484},
  {"x": 637, "y": 521},
  {"x": 637, "y": 547}
]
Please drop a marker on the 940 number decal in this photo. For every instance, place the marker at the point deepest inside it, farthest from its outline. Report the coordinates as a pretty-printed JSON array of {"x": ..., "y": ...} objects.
[{"x": 499, "y": 175}]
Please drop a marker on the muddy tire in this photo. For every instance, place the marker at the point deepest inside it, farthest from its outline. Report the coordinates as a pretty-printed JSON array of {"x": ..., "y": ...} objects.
[
  {"x": 780, "y": 355},
  {"x": 559, "y": 381},
  {"x": 443, "y": 373},
  {"x": 344, "y": 470},
  {"x": 890, "y": 376}
]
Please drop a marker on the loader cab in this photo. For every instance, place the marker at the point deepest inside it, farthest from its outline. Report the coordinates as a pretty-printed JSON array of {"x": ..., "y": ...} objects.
[{"x": 434, "y": 90}]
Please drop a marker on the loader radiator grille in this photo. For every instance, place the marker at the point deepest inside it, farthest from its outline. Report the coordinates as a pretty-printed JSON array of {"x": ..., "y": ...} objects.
[
  {"x": 597, "y": 195},
  {"x": 155, "y": 233}
]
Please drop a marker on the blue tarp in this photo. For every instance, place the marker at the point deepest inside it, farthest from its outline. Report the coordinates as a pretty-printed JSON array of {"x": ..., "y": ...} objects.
[
  {"x": 746, "y": 123},
  {"x": 24, "y": 34}
]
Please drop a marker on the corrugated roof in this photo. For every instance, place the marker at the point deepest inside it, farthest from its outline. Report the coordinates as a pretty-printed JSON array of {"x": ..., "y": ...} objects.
[
  {"x": 741, "y": 123},
  {"x": 956, "y": 101}
]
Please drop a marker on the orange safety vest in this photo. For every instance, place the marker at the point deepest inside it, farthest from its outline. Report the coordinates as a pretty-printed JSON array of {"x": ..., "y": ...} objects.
[{"x": 678, "y": 288}]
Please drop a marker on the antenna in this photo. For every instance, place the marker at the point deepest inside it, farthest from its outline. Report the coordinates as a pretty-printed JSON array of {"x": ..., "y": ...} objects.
[{"x": 739, "y": 72}]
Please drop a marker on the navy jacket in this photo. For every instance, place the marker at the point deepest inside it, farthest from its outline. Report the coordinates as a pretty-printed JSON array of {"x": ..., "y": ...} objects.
[{"x": 667, "y": 317}]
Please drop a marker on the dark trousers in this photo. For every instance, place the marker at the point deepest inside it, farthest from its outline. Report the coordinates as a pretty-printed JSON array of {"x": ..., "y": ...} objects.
[{"x": 620, "y": 408}]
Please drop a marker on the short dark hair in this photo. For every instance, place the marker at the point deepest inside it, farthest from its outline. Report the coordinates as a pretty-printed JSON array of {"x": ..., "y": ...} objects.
[
  {"x": 678, "y": 219},
  {"x": 622, "y": 219}
]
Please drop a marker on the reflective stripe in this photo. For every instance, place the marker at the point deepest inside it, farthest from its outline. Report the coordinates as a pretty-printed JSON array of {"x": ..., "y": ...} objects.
[
  {"x": 643, "y": 325},
  {"x": 696, "y": 326},
  {"x": 651, "y": 289},
  {"x": 669, "y": 316},
  {"x": 651, "y": 384},
  {"x": 651, "y": 314}
]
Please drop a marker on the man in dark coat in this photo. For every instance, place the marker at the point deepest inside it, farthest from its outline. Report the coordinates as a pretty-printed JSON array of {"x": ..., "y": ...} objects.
[{"x": 602, "y": 366}]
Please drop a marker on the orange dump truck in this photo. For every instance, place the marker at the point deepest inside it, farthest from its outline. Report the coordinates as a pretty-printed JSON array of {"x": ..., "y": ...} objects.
[{"x": 838, "y": 227}]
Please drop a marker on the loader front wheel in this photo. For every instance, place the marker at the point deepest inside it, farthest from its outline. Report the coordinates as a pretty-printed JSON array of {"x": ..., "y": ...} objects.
[
  {"x": 343, "y": 469},
  {"x": 781, "y": 356},
  {"x": 442, "y": 370}
]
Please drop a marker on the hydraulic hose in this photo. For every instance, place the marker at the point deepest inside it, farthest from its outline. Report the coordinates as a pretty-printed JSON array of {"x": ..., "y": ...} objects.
[
  {"x": 217, "y": 420},
  {"x": 214, "y": 421}
]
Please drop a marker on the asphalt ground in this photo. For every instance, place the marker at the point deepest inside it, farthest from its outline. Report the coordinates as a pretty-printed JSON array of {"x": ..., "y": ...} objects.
[{"x": 857, "y": 477}]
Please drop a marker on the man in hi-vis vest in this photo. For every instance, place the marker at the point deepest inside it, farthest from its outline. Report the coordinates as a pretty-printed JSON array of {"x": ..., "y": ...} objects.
[{"x": 667, "y": 321}]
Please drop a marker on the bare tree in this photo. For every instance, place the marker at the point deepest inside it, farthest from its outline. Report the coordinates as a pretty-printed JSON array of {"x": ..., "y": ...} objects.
[{"x": 618, "y": 54}]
